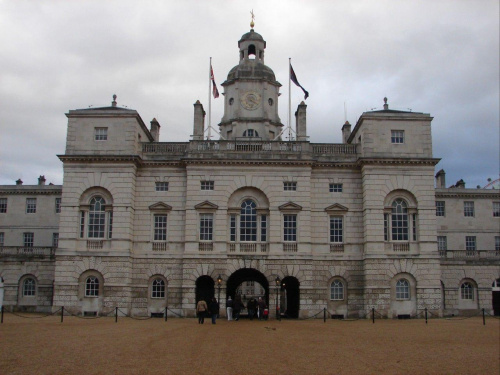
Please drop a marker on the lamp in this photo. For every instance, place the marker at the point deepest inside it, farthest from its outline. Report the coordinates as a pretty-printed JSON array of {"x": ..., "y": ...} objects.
[
  {"x": 219, "y": 283},
  {"x": 278, "y": 284}
]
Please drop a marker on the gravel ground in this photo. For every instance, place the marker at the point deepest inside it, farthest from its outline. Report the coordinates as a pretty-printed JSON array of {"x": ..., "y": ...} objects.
[{"x": 182, "y": 346}]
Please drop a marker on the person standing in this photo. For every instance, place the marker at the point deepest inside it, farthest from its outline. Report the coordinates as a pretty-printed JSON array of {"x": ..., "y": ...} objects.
[
  {"x": 251, "y": 306},
  {"x": 262, "y": 306},
  {"x": 238, "y": 306},
  {"x": 201, "y": 311},
  {"x": 213, "y": 307},
  {"x": 229, "y": 308}
]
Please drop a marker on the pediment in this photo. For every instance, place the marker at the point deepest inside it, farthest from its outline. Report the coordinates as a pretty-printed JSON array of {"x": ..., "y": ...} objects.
[
  {"x": 206, "y": 206},
  {"x": 160, "y": 206},
  {"x": 336, "y": 208},
  {"x": 290, "y": 206}
]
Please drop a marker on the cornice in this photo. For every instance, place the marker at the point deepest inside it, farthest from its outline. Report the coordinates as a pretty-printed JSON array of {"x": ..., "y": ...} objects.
[
  {"x": 301, "y": 163},
  {"x": 392, "y": 161},
  {"x": 463, "y": 193},
  {"x": 33, "y": 191},
  {"x": 92, "y": 159}
]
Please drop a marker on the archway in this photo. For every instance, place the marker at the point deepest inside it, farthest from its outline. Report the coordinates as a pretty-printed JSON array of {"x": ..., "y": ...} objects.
[
  {"x": 495, "y": 295},
  {"x": 290, "y": 297},
  {"x": 236, "y": 284},
  {"x": 204, "y": 288}
]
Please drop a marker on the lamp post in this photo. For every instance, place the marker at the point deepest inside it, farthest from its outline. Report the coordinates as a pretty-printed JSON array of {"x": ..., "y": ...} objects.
[
  {"x": 278, "y": 284},
  {"x": 219, "y": 283}
]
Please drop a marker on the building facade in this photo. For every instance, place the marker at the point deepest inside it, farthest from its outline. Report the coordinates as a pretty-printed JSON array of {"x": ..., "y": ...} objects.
[{"x": 145, "y": 225}]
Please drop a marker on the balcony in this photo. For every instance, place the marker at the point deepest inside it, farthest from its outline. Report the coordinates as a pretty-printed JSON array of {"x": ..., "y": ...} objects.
[
  {"x": 472, "y": 255},
  {"x": 336, "y": 248},
  {"x": 19, "y": 252},
  {"x": 247, "y": 247}
]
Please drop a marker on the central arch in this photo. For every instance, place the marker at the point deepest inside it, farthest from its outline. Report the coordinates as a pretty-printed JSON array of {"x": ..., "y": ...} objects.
[{"x": 247, "y": 274}]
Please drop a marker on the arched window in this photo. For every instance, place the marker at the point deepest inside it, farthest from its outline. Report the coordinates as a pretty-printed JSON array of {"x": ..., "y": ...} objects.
[
  {"x": 96, "y": 214},
  {"x": 158, "y": 288},
  {"x": 248, "y": 221},
  {"x": 92, "y": 287},
  {"x": 29, "y": 287},
  {"x": 97, "y": 218},
  {"x": 250, "y": 133},
  {"x": 337, "y": 290},
  {"x": 467, "y": 291},
  {"x": 399, "y": 220},
  {"x": 403, "y": 289}
]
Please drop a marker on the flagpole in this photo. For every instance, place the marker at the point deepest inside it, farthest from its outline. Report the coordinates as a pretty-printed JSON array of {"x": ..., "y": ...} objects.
[
  {"x": 289, "y": 100},
  {"x": 209, "y": 98}
]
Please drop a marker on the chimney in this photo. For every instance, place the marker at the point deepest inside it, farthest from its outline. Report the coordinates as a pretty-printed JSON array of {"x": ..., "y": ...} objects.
[
  {"x": 460, "y": 184},
  {"x": 300, "y": 122},
  {"x": 441, "y": 179},
  {"x": 19, "y": 182},
  {"x": 155, "y": 130},
  {"x": 113, "y": 103},
  {"x": 41, "y": 180},
  {"x": 386, "y": 106},
  {"x": 346, "y": 131},
  {"x": 199, "y": 121}
]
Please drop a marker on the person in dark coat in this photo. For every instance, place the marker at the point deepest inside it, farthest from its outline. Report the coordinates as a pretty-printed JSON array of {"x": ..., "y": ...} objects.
[
  {"x": 262, "y": 306},
  {"x": 238, "y": 306},
  {"x": 213, "y": 307},
  {"x": 251, "y": 307}
]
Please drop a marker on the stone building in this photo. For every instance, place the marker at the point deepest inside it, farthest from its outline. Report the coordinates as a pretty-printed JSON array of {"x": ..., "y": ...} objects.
[{"x": 146, "y": 225}]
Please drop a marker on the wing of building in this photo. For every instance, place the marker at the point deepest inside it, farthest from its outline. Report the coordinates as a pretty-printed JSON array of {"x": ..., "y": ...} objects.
[{"x": 147, "y": 225}]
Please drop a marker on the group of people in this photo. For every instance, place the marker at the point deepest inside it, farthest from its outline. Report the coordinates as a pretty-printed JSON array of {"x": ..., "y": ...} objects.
[{"x": 233, "y": 308}]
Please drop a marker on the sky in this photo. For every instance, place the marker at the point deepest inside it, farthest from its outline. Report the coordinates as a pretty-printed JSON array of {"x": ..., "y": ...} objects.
[{"x": 438, "y": 57}]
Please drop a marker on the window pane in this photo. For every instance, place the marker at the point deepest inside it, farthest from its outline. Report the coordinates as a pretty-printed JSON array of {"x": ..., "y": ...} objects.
[
  {"x": 496, "y": 209},
  {"x": 206, "y": 227},
  {"x": 29, "y": 287},
  {"x": 92, "y": 287},
  {"x": 440, "y": 208},
  {"x": 248, "y": 221},
  {"x": 337, "y": 290},
  {"x": 397, "y": 136},
  {"x": 289, "y": 186},
  {"x": 207, "y": 185},
  {"x": 263, "y": 228},
  {"x": 28, "y": 239},
  {"x": 30, "y": 205},
  {"x": 442, "y": 243},
  {"x": 160, "y": 230},
  {"x": 336, "y": 229},
  {"x": 58, "y": 205},
  {"x": 467, "y": 291},
  {"x": 158, "y": 288},
  {"x": 335, "y": 188},
  {"x": 161, "y": 186},
  {"x": 402, "y": 289},
  {"x": 399, "y": 221},
  {"x": 469, "y": 209},
  {"x": 290, "y": 228},
  {"x": 3, "y": 205},
  {"x": 101, "y": 134},
  {"x": 470, "y": 243},
  {"x": 97, "y": 218}
]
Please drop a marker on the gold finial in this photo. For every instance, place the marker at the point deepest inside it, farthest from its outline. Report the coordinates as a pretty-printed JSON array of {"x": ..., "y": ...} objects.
[{"x": 252, "y": 24}]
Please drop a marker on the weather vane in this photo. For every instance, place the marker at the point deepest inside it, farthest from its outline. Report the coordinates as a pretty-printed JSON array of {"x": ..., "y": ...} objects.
[{"x": 252, "y": 24}]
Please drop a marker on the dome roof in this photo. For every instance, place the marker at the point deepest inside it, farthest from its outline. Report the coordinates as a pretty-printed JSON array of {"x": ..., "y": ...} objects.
[
  {"x": 251, "y": 35},
  {"x": 251, "y": 69}
]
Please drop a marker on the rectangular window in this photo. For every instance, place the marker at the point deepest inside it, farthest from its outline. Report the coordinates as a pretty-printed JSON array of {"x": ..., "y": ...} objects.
[
  {"x": 55, "y": 239},
  {"x": 335, "y": 188},
  {"x": 414, "y": 226},
  {"x": 336, "y": 229},
  {"x": 161, "y": 186},
  {"x": 30, "y": 205},
  {"x": 386, "y": 227},
  {"x": 28, "y": 239},
  {"x": 110, "y": 224},
  {"x": 397, "y": 136},
  {"x": 470, "y": 243},
  {"x": 58, "y": 205},
  {"x": 442, "y": 243},
  {"x": 2, "y": 238},
  {"x": 469, "y": 209},
  {"x": 263, "y": 228},
  {"x": 3, "y": 205},
  {"x": 289, "y": 186},
  {"x": 160, "y": 233},
  {"x": 496, "y": 208},
  {"x": 206, "y": 227},
  {"x": 290, "y": 228},
  {"x": 399, "y": 226},
  {"x": 207, "y": 185},
  {"x": 101, "y": 134},
  {"x": 232, "y": 228},
  {"x": 497, "y": 243},
  {"x": 440, "y": 208},
  {"x": 82, "y": 224}
]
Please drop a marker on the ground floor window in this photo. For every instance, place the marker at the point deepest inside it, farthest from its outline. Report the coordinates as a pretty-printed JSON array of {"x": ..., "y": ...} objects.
[
  {"x": 467, "y": 291},
  {"x": 337, "y": 290},
  {"x": 403, "y": 290},
  {"x": 29, "y": 287},
  {"x": 92, "y": 287},
  {"x": 158, "y": 288}
]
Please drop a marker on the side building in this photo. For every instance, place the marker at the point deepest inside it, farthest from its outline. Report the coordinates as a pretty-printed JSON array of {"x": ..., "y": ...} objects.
[{"x": 148, "y": 225}]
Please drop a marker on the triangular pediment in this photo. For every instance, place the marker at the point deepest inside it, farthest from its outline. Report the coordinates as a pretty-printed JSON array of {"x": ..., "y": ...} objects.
[
  {"x": 160, "y": 206},
  {"x": 336, "y": 208},
  {"x": 290, "y": 206},
  {"x": 206, "y": 206}
]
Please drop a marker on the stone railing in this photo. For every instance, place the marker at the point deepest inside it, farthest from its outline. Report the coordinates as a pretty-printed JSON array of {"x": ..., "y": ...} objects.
[
  {"x": 401, "y": 247},
  {"x": 164, "y": 148},
  {"x": 333, "y": 149},
  {"x": 470, "y": 254},
  {"x": 206, "y": 246},
  {"x": 247, "y": 247},
  {"x": 27, "y": 252},
  {"x": 336, "y": 248},
  {"x": 290, "y": 247},
  {"x": 159, "y": 246},
  {"x": 95, "y": 244}
]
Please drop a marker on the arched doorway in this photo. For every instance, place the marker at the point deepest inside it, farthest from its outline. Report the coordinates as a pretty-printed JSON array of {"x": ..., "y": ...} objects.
[
  {"x": 495, "y": 296},
  {"x": 204, "y": 288},
  {"x": 290, "y": 297},
  {"x": 248, "y": 282}
]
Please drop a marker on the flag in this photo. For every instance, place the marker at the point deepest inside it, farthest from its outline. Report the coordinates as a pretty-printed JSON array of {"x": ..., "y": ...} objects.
[
  {"x": 293, "y": 77},
  {"x": 215, "y": 92}
]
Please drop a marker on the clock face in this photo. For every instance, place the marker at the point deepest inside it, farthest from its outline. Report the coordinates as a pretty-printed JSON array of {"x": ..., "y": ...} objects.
[{"x": 250, "y": 100}]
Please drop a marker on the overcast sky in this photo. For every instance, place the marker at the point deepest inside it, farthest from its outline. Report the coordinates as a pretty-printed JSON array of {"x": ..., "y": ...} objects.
[{"x": 437, "y": 57}]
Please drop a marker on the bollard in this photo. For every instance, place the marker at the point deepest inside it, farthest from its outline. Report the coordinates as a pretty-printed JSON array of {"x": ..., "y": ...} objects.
[
  {"x": 426, "y": 315},
  {"x": 2, "y": 315},
  {"x": 324, "y": 314},
  {"x": 62, "y": 314},
  {"x": 116, "y": 315},
  {"x": 166, "y": 313},
  {"x": 373, "y": 315},
  {"x": 484, "y": 321}
]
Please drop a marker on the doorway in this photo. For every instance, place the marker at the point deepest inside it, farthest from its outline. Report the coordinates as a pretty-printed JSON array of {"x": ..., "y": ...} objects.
[
  {"x": 495, "y": 296},
  {"x": 204, "y": 289},
  {"x": 290, "y": 297},
  {"x": 248, "y": 283}
]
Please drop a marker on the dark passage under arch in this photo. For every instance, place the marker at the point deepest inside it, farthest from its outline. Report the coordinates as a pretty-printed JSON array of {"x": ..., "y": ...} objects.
[
  {"x": 290, "y": 297},
  {"x": 243, "y": 275},
  {"x": 205, "y": 288}
]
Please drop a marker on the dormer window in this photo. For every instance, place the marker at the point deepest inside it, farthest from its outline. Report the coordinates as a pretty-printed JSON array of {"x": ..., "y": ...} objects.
[{"x": 101, "y": 134}]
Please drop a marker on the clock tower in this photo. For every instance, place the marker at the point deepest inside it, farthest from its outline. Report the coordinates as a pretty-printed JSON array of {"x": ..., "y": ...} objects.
[{"x": 251, "y": 95}]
